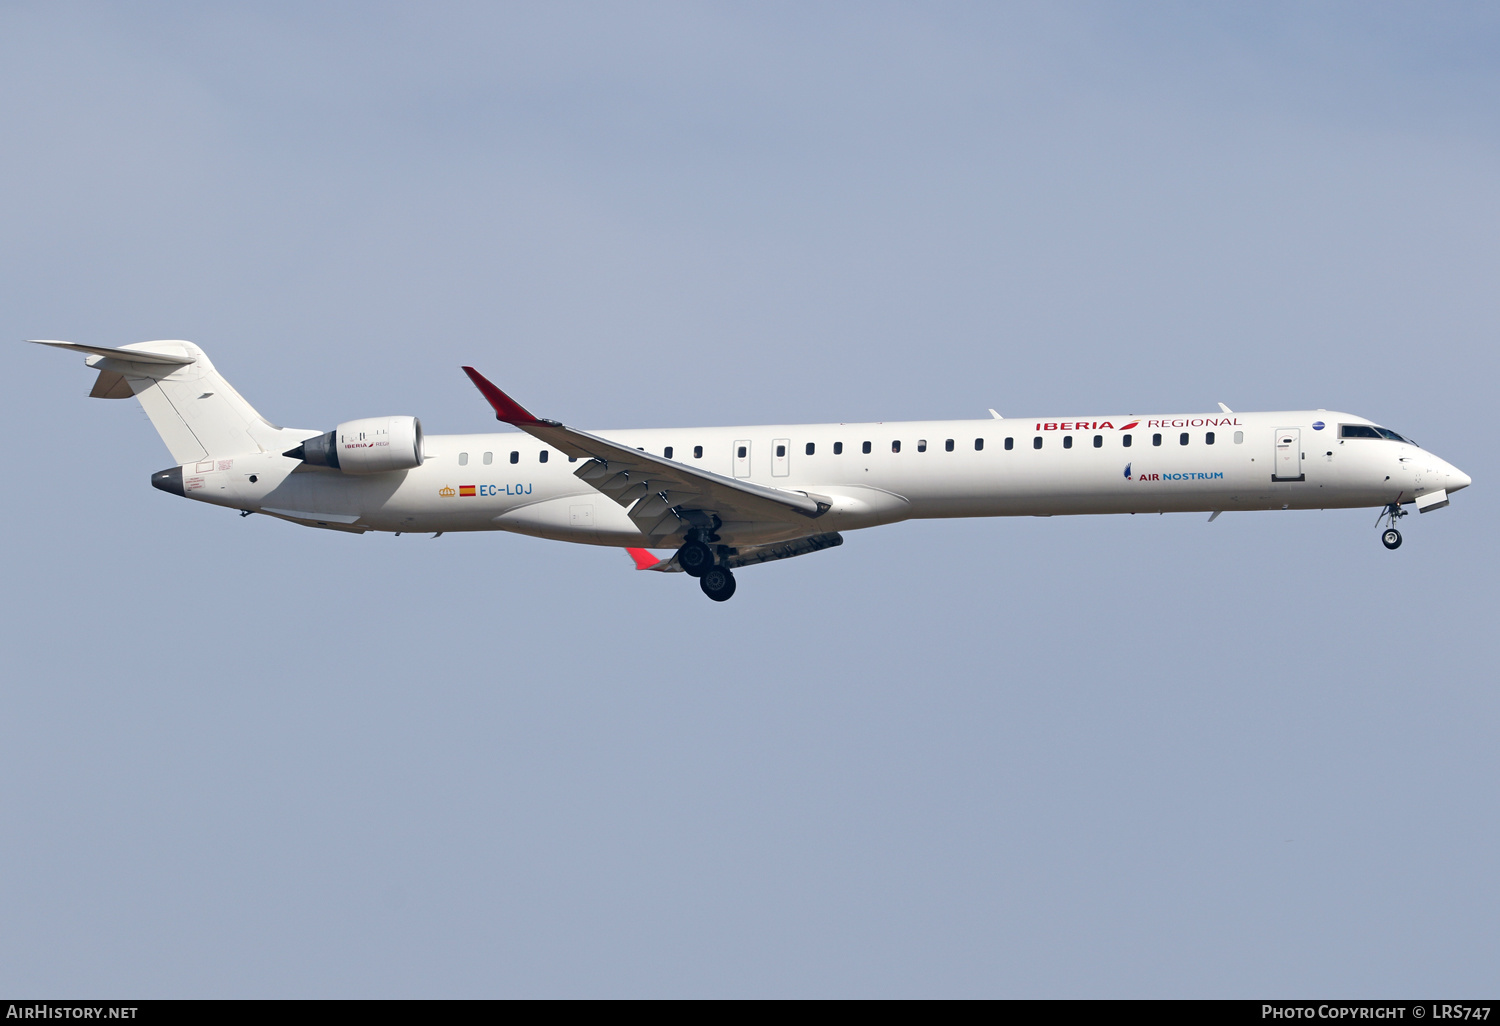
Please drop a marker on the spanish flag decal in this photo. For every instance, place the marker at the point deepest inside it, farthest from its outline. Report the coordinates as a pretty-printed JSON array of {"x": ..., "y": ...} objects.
[{"x": 465, "y": 490}]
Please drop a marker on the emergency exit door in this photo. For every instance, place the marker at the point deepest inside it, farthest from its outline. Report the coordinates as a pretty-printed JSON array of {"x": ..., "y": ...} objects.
[
  {"x": 781, "y": 461},
  {"x": 1288, "y": 464},
  {"x": 742, "y": 458}
]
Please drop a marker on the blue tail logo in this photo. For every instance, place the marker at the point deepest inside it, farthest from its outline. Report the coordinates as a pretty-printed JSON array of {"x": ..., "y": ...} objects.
[{"x": 1127, "y": 471}]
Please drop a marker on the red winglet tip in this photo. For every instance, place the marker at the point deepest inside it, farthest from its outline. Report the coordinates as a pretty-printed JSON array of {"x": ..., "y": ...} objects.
[
  {"x": 506, "y": 408},
  {"x": 643, "y": 559}
]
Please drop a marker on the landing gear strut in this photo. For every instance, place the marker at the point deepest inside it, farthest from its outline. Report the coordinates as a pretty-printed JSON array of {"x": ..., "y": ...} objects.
[
  {"x": 1390, "y": 537},
  {"x": 717, "y": 583}
]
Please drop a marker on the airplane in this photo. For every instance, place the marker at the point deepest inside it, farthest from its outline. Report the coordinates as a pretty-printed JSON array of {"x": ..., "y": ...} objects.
[{"x": 723, "y": 498}]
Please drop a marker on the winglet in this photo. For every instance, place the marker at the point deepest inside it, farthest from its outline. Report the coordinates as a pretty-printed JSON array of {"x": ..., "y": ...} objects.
[
  {"x": 506, "y": 408},
  {"x": 643, "y": 559}
]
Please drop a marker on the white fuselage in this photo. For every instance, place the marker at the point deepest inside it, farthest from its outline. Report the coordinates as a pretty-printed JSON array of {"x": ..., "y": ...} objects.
[{"x": 917, "y": 469}]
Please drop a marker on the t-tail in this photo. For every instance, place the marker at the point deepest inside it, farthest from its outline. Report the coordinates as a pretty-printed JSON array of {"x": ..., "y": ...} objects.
[{"x": 198, "y": 414}]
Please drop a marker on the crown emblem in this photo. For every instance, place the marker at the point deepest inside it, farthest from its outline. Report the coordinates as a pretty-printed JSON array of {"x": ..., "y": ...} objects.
[{"x": 447, "y": 491}]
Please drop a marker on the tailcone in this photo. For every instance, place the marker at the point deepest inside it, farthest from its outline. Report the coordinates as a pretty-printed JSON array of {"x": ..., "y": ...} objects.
[{"x": 169, "y": 481}]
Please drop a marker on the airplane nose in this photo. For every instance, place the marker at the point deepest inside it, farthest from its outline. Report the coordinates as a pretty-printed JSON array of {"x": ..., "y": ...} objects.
[{"x": 1457, "y": 479}]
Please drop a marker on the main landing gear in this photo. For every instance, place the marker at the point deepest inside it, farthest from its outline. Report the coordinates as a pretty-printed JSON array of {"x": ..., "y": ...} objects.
[
  {"x": 695, "y": 558},
  {"x": 699, "y": 560},
  {"x": 717, "y": 583},
  {"x": 1390, "y": 537}
]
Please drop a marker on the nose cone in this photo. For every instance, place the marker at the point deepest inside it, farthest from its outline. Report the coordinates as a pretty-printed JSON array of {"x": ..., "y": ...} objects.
[{"x": 1457, "y": 479}]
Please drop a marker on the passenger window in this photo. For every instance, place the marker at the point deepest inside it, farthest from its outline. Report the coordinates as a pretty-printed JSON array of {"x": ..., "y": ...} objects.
[
  {"x": 978, "y": 444},
  {"x": 838, "y": 448},
  {"x": 1036, "y": 443},
  {"x": 1010, "y": 443},
  {"x": 1239, "y": 438},
  {"x": 865, "y": 448},
  {"x": 1125, "y": 441},
  {"x": 1208, "y": 439},
  {"x": 811, "y": 448},
  {"x": 1098, "y": 441},
  {"x": 515, "y": 457},
  {"x": 572, "y": 459},
  {"x": 1067, "y": 441},
  {"x": 780, "y": 451},
  {"x": 1182, "y": 439},
  {"x": 667, "y": 452},
  {"x": 1156, "y": 439},
  {"x": 921, "y": 445},
  {"x": 895, "y": 446},
  {"x": 463, "y": 459},
  {"x": 741, "y": 453},
  {"x": 543, "y": 457},
  {"x": 489, "y": 458},
  {"x": 948, "y": 445},
  {"x": 697, "y": 452}
]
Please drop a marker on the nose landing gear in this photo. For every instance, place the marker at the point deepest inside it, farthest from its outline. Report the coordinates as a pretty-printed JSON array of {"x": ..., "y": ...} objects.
[{"x": 1390, "y": 537}]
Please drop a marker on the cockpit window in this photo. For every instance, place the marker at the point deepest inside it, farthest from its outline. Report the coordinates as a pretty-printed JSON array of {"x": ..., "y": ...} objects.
[{"x": 1369, "y": 431}]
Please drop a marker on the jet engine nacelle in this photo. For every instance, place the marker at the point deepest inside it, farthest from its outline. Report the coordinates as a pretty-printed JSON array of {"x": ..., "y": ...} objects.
[{"x": 373, "y": 445}]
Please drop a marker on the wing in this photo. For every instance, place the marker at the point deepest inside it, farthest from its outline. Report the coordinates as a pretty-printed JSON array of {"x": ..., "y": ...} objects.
[{"x": 661, "y": 493}]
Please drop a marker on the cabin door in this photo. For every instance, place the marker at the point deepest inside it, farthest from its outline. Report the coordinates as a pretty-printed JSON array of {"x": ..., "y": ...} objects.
[{"x": 1288, "y": 465}]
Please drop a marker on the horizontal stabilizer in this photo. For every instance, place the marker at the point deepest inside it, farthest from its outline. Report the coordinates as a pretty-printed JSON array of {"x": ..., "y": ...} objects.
[{"x": 133, "y": 355}]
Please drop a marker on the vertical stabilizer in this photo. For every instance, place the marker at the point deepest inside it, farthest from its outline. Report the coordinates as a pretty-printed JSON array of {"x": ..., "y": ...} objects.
[{"x": 197, "y": 413}]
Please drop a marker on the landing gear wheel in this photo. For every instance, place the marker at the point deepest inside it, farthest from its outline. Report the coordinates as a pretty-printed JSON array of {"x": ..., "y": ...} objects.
[
  {"x": 695, "y": 558},
  {"x": 717, "y": 583},
  {"x": 1391, "y": 539}
]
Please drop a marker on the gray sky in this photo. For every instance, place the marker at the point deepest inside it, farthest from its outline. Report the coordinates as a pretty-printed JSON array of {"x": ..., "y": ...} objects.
[{"x": 1134, "y": 756}]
